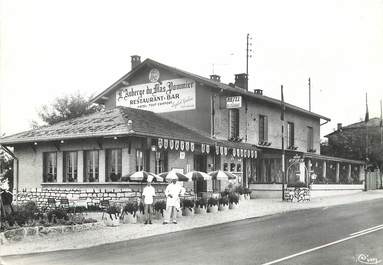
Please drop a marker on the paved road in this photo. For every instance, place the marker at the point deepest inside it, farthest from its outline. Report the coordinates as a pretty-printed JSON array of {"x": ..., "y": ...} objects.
[{"x": 251, "y": 241}]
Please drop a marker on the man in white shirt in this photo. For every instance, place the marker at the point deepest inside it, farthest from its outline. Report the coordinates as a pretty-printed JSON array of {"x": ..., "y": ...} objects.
[
  {"x": 148, "y": 193},
  {"x": 172, "y": 193}
]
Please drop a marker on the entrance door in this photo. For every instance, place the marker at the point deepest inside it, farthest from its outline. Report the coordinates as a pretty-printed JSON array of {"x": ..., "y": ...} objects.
[{"x": 200, "y": 164}]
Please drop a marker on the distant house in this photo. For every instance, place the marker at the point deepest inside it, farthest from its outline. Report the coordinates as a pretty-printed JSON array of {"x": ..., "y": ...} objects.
[
  {"x": 350, "y": 141},
  {"x": 159, "y": 118}
]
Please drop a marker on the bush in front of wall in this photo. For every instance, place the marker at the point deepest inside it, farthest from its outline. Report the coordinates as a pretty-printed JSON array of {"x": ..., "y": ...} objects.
[
  {"x": 233, "y": 198},
  {"x": 201, "y": 203},
  {"x": 298, "y": 184},
  {"x": 212, "y": 202},
  {"x": 160, "y": 206},
  {"x": 57, "y": 214},
  {"x": 188, "y": 203},
  {"x": 131, "y": 207},
  {"x": 224, "y": 200}
]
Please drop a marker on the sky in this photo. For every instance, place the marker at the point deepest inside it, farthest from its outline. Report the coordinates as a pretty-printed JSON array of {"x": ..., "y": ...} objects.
[{"x": 50, "y": 48}]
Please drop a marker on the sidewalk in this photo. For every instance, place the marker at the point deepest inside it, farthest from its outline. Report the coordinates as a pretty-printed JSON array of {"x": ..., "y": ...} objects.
[{"x": 247, "y": 209}]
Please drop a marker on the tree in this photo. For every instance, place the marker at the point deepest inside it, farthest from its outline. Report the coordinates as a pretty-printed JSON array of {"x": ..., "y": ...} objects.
[
  {"x": 6, "y": 169},
  {"x": 66, "y": 107}
]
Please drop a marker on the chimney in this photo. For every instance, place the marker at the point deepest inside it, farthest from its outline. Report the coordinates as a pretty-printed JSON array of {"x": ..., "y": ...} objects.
[
  {"x": 258, "y": 91},
  {"x": 339, "y": 126},
  {"x": 216, "y": 78},
  {"x": 241, "y": 80},
  {"x": 136, "y": 60}
]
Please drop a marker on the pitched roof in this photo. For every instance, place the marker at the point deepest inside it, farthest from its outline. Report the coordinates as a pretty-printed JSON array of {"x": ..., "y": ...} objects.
[
  {"x": 113, "y": 122},
  {"x": 209, "y": 82},
  {"x": 374, "y": 122}
]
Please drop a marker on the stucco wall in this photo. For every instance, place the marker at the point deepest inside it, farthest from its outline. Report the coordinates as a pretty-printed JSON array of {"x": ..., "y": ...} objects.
[{"x": 249, "y": 123}]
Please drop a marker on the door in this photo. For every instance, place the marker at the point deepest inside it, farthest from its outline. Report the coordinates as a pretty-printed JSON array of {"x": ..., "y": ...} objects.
[{"x": 200, "y": 164}]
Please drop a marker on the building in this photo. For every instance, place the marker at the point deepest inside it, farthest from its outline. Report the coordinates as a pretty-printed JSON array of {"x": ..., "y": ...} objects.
[{"x": 159, "y": 118}]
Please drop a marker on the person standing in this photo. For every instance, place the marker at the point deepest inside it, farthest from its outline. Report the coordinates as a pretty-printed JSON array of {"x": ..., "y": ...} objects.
[
  {"x": 172, "y": 193},
  {"x": 148, "y": 193}
]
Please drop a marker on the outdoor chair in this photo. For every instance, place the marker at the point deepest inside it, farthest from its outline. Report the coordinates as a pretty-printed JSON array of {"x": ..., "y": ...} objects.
[
  {"x": 104, "y": 205},
  {"x": 51, "y": 203}
]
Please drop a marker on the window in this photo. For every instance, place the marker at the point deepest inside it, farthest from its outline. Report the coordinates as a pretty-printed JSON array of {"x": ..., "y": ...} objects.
[
  {"x": 232, "y": 167},
  {"x": 91, "y": 166},
  {"x": 310, "y": 138},
  {"x": 70, "y": 167},
  {"x": 263, "y": 128},
  {"x": 139, "y": 160},
  {"x": 113, "y": 164},
  {"x": 290, "y": 134},
  {"x": 239, "y": 168},
  {"x": 50, "y": 167},
  {"x": 233, "y": 123},
  {"x": 161, "y": 162},
  {"x": 225, "y": 167}
]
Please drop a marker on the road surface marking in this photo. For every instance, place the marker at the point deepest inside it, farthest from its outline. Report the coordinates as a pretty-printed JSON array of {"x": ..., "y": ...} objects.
[
  {"x": 358, "y": 234},
  {"x": 368, "y": 229}
]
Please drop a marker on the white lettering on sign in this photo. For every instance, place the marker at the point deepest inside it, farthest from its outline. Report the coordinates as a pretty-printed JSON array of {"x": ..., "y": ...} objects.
[
  {"x": 170, "y": 95},
  {"x": 234, "y": 102}
]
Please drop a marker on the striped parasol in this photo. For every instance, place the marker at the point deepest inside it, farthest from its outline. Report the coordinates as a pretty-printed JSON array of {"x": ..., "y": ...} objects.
[
  {"x": 172, "y": 174},
  {"x": 222, "y": 175},
  {"x": 143, "y": 176},
  {"x": 198, "y": 175}
]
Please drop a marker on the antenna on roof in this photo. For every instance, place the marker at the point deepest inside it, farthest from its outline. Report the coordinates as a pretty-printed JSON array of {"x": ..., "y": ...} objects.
[{"x": 309, "y": 94}]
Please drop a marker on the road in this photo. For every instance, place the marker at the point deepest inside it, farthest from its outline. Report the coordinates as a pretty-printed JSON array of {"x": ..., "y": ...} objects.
[{"x": 315, "y": 236}]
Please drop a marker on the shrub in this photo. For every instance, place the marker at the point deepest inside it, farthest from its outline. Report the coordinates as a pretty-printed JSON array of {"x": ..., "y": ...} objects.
[
  {"x": 202, "y": 202},
  {"x": 224, "y": 200},
  {"x": 247, "y": 191},
  {"x": 160, "y": 206},
  {"x": 188, "y": 203},
  {"x": 233, "y": 198},
  {"x": 141, "y": 207},
  {"x": 23, "y": 214},
  {"x": 240, "y": 190},
  {"x": 93, "y": 208},
  {"x": 57, "y": 214},
  {"x": 131, "y": 207},
  {"x": 89, "y": 220},
  {"x": 212, "y": 202}
]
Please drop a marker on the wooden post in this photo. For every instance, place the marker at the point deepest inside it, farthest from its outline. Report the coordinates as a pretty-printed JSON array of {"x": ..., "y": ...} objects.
[
  {"x": 337, "y": 173},
  {"x": 349, "y": 172},
  {"x": 324, "y": 169}
]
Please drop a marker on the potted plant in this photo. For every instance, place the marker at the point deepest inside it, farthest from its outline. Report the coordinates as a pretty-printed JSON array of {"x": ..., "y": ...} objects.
[
  {"x": 130, "y": 212},
  {"x": 223, "y": 203},
  {"x": 233, "y": 200},
  {"x": 200, "y": 206},
  {"x": 241, "y": 192},
  {"x": 188, "y": 207},
  {"x": 247, "y": 193},
  {"x": 212, "y": 205},
  {"x": 160, "y": 206}
]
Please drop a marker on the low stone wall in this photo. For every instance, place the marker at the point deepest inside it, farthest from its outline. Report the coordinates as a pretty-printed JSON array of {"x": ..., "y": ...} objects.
[
  {"x": 22, "y": 232},
  {"x": 74, "y": 195}
]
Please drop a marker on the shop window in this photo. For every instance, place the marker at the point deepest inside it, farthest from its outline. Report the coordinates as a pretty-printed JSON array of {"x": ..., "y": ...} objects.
[
  {"x": 70, "y": 167},
  {"x": 113, "y": 164},
  {"x": 310, "y": 138},
  {"x": 290, "y": 134},
  {"x": 225, "y": 167},
  {"x": 140, "y": 160},
  {"x": 263, "y": 128},
  {"x": 91, "y": 166},
  {"x": 232, "y": 167},
  {"x": 233, "y": 123},
  {"x": 50, "y": 167},
  {"x": 161, "y": 162},
  {"x": 239, "y": 168}
]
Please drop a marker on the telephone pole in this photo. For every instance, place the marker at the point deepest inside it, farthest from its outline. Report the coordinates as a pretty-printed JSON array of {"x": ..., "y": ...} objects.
[
  {"x": 248, "y": 55},
  {"x": 309, "y": 94}
]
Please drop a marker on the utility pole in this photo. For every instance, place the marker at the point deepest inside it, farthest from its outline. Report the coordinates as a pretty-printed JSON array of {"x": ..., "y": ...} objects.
[
  {"x": 248, "y": 49},
  {"x": 366, "y": 121},
  {"x": 309, "y": 94},
  {"x": 283, "y": 143}
]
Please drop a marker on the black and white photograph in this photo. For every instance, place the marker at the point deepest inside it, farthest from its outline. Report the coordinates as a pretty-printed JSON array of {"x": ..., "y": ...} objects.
[{"x": 191, "y": 132}]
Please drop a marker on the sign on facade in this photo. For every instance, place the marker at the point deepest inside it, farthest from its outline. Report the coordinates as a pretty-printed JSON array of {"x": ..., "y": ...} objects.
[
  {"x": 166, "y": 96},
  {"x": 234, "y": 102}
]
